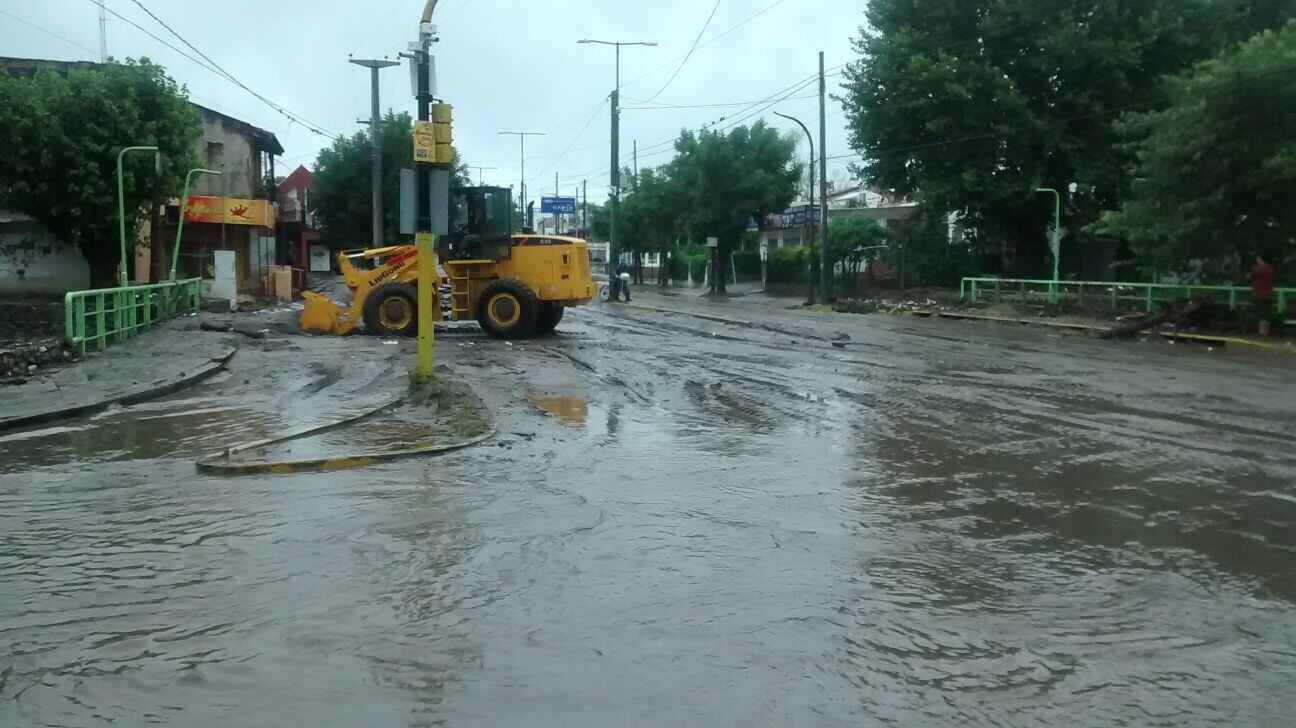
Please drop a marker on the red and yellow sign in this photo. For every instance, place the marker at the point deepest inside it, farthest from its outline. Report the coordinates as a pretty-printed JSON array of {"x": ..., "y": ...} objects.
[{"x": 231, "y": 211}]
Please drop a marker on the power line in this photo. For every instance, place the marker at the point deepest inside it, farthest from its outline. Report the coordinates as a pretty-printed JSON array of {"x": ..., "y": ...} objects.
[
  {"x": 48, "y": 32},
  {"x": 377, "y": 25},
  {"x": 656, "y": 107},
  {"x": 713, "y": 39},
  {"x": 456, "y": 11},
  {"x": 575, "y": 139},
  {"x": 312, "y": 126},
  {"x": 209, "y": 68},
  {"x": 688, "y": 55}
]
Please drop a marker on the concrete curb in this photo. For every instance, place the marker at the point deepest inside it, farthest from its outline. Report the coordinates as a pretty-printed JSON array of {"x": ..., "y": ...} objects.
[
  {"x": 220, "y": 464},
  {"x": 136, "y": 396},
  {"x": 1211, "y": 339}
]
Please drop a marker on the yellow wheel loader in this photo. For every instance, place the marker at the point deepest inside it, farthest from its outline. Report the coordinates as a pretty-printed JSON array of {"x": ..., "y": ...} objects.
[{"x": 513, "y": 285}]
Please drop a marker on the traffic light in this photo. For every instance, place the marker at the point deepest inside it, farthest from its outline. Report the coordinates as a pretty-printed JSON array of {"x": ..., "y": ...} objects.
[{"x": 432, "y": 139}]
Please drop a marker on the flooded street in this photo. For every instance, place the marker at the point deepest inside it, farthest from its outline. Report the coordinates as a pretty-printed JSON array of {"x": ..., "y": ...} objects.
[{"x": 681, "y": 521}]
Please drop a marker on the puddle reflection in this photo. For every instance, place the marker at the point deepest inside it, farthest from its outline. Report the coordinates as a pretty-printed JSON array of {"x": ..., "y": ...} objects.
[{"x": 571, "y": 411}]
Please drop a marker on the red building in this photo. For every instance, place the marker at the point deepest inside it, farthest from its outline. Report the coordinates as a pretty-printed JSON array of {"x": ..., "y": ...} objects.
[{"x": 297, "y": 229}]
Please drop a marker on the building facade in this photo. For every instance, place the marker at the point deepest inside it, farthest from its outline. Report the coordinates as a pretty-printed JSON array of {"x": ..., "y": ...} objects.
[{"x": 234, "y": 211}]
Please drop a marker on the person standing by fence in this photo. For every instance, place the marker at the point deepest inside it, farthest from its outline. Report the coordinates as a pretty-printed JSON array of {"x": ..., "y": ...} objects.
[{"x": 1262, "y": 291}]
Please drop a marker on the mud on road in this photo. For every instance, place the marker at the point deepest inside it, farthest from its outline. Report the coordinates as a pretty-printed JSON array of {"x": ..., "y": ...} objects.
[{"x": 681, "y": 521}]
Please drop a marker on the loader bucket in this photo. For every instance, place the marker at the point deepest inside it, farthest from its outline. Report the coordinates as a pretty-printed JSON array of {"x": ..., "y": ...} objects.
[{"x": 321, "y": 316}]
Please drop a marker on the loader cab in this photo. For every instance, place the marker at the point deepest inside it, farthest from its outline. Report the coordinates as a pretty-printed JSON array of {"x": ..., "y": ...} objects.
[{"x": 481, "y": 224}]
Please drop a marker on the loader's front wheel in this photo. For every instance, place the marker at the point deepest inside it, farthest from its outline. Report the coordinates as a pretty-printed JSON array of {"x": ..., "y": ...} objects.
[
  {"x": 392, "y": 310},
  {"x": 508, "y": 309}
]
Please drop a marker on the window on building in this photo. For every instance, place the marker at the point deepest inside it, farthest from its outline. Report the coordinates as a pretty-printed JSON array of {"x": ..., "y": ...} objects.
[{"x": 215, "y": 150}]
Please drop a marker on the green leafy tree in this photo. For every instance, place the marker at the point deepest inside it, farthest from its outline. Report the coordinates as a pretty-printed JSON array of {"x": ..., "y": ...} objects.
[
  {"x": 971, "y": 105},
  {"x": 923, "y": 254},
  {"x": 1216, "y": 169},
  {"x": 725, "y": 179},
  {"x": 62, "y": 133},
  {"x": 650, "y": 220},
  {"x": 852, "y": 239},
  {"x": 344, "y": 182},
  {"x": 597, "y": 217}
]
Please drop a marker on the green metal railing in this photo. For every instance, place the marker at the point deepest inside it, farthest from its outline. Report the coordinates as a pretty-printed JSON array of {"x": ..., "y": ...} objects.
[
  {"x": 1116, "y": 295},
  {"x": 105, "y": 316}
]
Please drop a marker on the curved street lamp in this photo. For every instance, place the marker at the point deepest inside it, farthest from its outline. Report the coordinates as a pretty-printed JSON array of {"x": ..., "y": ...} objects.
[
  {"x": 184, "y": 208},
  {"x": 121, "y": 203}
]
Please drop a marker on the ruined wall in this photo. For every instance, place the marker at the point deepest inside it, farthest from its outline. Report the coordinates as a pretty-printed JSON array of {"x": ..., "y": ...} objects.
[
  {"x": 35, "y": 263},
  {"x": 224, "y": 147}
]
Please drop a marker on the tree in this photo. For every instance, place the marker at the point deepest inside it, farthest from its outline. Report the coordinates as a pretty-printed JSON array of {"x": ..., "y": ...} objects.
[
  {"x": 650, "y": 219},
  {"x": 726, "y": 179},
  {"x": 971, "y": 105},
  {"x": 344, "y": 182},
  {"x": 58, "y": 162},
  {"x": 1216, "y": 169},
  {"x": 853, "y": 239}
]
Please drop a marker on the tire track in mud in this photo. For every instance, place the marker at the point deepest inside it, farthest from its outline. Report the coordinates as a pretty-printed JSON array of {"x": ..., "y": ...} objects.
[{"x": 730, "y": 378}]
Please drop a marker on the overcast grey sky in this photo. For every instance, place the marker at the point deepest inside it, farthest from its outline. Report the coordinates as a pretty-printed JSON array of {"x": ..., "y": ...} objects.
[{"x": 504, "y": 64}]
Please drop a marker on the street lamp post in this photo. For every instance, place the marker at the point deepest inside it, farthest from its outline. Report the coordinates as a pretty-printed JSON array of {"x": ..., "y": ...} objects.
[
  {"x": 615, "y": 176},
  {"x": 375, "y": 147},
  {"x": 479, "y": 172},
  {"x": 184, "y": 207},
  {"x": 121, "y": 204},
  {"x": 522, "y": 135},
  {"x": 811, "y": 198},
  {"x": 1057, "y": 239}
]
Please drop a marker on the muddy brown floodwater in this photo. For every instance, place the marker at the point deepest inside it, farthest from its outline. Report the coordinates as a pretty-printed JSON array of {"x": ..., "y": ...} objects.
[{"x": 681, "y": 522}]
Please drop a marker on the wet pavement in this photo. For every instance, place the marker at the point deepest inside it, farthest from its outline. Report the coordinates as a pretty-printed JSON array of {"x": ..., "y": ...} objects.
[{"x": 682, "y": 521}]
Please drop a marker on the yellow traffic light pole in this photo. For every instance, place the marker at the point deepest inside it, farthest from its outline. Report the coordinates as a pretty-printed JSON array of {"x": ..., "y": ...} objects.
[
  {"x": 432, "y": 150},
  {"x": 426, "y": 300}
]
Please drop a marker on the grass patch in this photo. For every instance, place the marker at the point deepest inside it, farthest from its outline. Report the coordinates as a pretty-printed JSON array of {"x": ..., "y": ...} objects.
[{"x": 459, "y": 413}]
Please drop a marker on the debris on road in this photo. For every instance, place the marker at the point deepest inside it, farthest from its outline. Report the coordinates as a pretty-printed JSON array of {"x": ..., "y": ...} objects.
[{"x": 225, "y": 328}]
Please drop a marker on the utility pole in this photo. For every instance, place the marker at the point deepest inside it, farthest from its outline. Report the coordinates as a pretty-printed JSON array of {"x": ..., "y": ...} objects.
[
  {"x": 825, "y": 276},
  {"x": 103, "y": 33},
  {"x": 810, "y": 223},
  {"x": 585, "y": 204},
  {"x": 636, "y": 163},
  {"x": 557, "y": 217},
  {"x": 614, "y": 204},
  {"x": 375, "y": 131},
  {"x": 522, "y": 135},
  {"x": 479, "y": 172}
]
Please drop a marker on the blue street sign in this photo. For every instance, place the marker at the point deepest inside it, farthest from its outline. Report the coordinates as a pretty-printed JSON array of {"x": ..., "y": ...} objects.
[
  {"x": 558, "y": 205},
  {"x": 797, "y": 218}
]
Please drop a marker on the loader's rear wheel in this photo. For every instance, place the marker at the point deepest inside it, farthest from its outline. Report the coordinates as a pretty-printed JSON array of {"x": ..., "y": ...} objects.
[
  {"x": 508, "y": 309},
  {"x": 392, "y": 310},
  {"x": 551, "y": 314}
]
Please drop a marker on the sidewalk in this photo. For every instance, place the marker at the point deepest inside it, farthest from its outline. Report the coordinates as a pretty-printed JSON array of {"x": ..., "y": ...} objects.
[
  {"x": 164, "y": 360},
  {"x": 753, "y": 310}
]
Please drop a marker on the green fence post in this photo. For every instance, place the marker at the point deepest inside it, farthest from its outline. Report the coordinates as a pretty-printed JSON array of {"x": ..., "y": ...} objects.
[
  {"x": 80, "y": 324},
  {"x": 69, "y": 318},
  {"x": 101, "y": 321}
]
